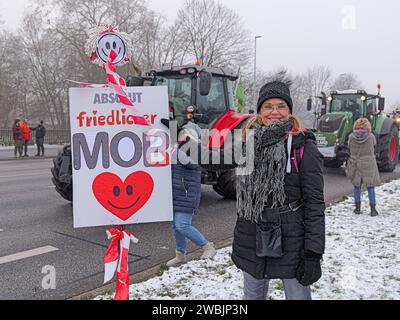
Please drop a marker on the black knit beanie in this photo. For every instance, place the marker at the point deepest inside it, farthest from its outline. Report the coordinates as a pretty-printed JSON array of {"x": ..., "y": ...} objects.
[{"x": 276, "y": 89}]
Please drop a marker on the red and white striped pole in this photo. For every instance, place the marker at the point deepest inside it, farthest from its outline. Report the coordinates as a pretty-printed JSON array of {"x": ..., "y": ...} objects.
[{"x": 117, "y": 83}]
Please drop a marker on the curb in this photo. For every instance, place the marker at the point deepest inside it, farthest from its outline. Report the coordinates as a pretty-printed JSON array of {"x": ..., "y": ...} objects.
[
  {"x": 28, "y": 158},
  {"x": 147, "y": 274}
]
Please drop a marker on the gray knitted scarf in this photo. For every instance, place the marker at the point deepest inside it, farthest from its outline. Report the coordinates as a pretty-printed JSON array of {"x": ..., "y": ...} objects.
[{"x": 265, "y": 184}]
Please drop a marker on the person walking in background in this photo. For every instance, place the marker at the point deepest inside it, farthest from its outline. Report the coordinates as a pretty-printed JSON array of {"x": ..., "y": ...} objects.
[
  {"x": 280, "y": 231},
  {"x": 18, "y": 136},
  {"x": 186, "y": 190},
  {"x": 27, "y": 135},
  {"x": 40, "y": 135},
  {"x": 362, "y": 168}
]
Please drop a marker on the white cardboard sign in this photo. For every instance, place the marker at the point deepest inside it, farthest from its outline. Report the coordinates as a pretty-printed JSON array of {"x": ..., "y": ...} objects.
[{"x": 121, "y": 171}]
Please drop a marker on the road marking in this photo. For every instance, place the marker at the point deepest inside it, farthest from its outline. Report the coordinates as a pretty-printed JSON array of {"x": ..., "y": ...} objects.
[
  {"x": 27, "y": 254},
  {"x": 25, "y": 175}
]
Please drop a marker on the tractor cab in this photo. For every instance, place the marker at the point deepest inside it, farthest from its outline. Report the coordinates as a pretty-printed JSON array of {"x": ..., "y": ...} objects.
[
  {"x": 209, "y": 89},
  {"x": 355, "y": 104},
  {"x": 342, "y": 110}
]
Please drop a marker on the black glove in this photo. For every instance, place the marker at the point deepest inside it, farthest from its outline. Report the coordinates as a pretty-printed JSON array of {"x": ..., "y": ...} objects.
[
  {"x": 309, "y": 270},
  {"x": 181, "y": 144}
]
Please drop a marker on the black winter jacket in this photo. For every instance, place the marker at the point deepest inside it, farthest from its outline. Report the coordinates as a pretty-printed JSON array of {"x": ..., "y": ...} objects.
[
  {"x": 40, "y": 131},
  {"x": 303, "y": 230},
  {"x": 186, "y": 185}
]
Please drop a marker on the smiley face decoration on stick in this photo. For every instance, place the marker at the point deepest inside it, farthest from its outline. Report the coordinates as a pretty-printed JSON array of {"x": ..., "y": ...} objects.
[
  {"x": 109, "y": 48},
  {"x": 105, "y": 39}
]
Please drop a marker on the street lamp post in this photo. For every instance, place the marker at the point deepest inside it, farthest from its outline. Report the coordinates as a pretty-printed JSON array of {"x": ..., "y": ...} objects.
[{"x": 255, "y": 73}]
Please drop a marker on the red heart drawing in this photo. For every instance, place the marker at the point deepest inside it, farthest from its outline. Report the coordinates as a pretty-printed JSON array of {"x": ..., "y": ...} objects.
[{"x": 123, "y": 199}]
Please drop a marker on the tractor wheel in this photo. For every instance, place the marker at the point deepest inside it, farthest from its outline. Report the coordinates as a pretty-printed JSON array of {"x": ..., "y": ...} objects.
[
  {"x": 62, "y": 173},
  {"x": 226, "y": 185},
  {"x": 389, "y": 151}
]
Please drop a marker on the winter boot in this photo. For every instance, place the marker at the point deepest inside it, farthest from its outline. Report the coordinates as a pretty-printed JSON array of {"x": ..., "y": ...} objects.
[
  {"x": 179, "y": 260},
  {"x": 209, "y": 251},
  {"x": 358, "y": 208},
  {"x": 374, "y": 213}
]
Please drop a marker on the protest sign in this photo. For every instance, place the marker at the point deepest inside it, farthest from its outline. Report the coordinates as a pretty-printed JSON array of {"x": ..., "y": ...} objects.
[{"x": 121, "y": 171}]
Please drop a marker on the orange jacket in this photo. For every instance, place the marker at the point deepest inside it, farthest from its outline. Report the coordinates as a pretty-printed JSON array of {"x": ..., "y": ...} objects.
[{"x": 27, "y": 131}]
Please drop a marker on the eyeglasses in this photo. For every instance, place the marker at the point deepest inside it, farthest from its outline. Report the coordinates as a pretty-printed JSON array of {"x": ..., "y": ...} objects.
[{"x": 280, "y": 108}]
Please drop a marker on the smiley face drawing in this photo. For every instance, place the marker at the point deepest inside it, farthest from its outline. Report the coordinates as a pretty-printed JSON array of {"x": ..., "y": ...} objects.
[
  {"x": 111, "y": 41},
  {"x": 123, "y": 199},
  {"x": 102, "y": 39}
]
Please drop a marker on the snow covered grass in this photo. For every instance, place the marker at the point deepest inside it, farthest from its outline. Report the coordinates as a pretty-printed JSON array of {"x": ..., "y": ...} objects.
[{"x": 362, "y": 261}]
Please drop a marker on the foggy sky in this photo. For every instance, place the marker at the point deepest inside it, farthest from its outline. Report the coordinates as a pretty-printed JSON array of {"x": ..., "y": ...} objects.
[{"x": 298, "y": 34}]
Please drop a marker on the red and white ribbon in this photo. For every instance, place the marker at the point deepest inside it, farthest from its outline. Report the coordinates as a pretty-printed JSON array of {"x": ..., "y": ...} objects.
[
  {"x": 116, "y": 260},
  {"x": 117, "y": 83},
  {"x": 89, "y": 85}
]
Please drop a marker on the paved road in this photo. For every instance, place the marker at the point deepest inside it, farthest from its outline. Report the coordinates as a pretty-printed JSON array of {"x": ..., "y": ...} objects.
[{"x": 33, "y": 216}]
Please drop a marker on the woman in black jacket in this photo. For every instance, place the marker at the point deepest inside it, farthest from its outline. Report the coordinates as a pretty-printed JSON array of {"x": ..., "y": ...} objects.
[{"x": 280, "y": 232}]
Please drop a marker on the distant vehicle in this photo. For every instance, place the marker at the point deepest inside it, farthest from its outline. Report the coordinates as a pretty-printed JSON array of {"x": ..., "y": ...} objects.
[
  {"x": 340, "y": 110},
  {"x": 396, "y": 116}
]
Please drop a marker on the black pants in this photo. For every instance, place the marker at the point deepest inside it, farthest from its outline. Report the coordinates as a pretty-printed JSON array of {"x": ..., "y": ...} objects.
[
  {"x": 25, "y": 145},
  {"x": 40, "y": 146},
  {"x": 18, "y": 148}
]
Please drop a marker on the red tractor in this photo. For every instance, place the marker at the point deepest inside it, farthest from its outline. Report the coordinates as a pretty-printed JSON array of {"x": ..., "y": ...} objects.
[{"x": 210, "y": 91}]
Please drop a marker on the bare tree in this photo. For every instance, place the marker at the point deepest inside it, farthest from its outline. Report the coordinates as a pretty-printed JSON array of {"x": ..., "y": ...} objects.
[
  {"x": 43, "y": 50},
  {"x": 51, "y": 50},
  {"x": 12, "y": 88},
  {"x": 311, "y": 84},
  {"x": 347, "y": 81},
  {"x": 316, "y": 80},
  {"x": 213, "y": 33},
  {"x": 173, "y": 48}
]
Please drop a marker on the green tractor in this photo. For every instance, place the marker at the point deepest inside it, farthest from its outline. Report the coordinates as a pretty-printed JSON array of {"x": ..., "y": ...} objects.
[{"x": 338, "y": 114}]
